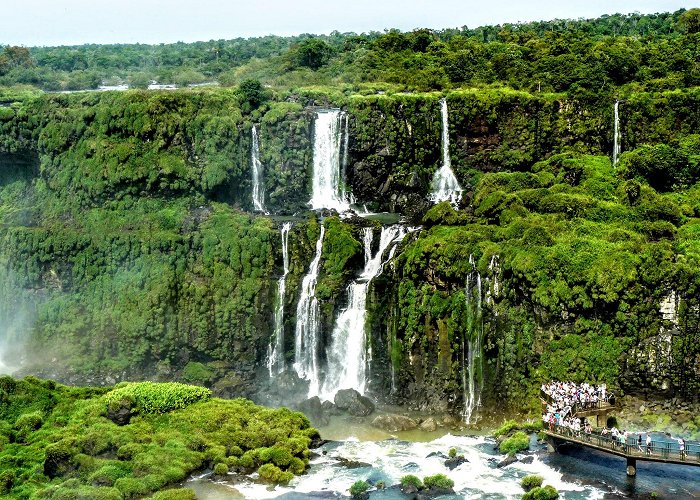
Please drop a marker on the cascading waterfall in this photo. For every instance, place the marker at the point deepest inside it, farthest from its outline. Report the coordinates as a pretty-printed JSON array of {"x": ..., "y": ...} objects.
[
  {"x": 275, "y": 358},
  {"x": 445, "y": 186},
  {"x": 617, "y": 139},
  {"x": 306, "y": 338},
  {"x": 330, "y": 132},
  {"x": 472, "y": 370},
  {"x": 258, "y": 188},
  {"x": 347, "y": 354}
]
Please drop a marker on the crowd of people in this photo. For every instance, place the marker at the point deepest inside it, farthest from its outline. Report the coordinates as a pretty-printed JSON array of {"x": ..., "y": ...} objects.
[
  {"x": 565, "y": 396},
  {"x": 565, "y": 399}
]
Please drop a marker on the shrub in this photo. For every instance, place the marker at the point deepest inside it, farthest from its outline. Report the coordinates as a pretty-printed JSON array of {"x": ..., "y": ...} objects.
[
  {"x": 151, "y": 397},
  {"x": 359, "y": 488},
  {"x": 132, "y": 487},
  {"x": 411, "y": 481},
  {"x": 531, "y": 481},
  {"x": 221, "y": 469},
  {"x": 274, "y": 474},
  {"x": 7, "y": 479},
  {"x": 541, "y": 493},
  {"x": 175, "y": 494},
  {"x": 507, "y": 427},
  {"x": 107, "y": 475},
  {"x": 197, "y": 373},
  {"x": 452, "y": 453},
  {"x": 515, "y": 443},
  {"x": 438, "y": 481}
]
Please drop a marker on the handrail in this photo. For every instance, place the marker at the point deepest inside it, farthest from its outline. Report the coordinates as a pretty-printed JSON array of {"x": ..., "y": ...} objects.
[{"x": 664, "y": 450}]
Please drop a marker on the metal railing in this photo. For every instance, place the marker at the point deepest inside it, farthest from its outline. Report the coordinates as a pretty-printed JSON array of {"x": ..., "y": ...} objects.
[{"x": 666, "y": 450}]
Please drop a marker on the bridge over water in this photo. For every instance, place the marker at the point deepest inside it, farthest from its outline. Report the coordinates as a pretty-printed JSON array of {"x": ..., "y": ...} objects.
[{"x": 660, "y": 450}]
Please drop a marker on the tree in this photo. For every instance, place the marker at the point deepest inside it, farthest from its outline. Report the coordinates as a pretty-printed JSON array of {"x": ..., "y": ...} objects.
[
  {"x": 313, "y": 53},
  {"x": 252, "y": 94},
  {"x": 689, "y": 21}
]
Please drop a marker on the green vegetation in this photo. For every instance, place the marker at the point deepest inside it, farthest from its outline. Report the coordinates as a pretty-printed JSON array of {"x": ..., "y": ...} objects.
[
  {"x": 126, "y": 251},
  {"x": 541, "y": 493},
  {"x": 531, "y": 481},
  {"x": 57, "y": 441},
  {"x": 519, "y": 441},
  {"x": 654, "y": 51},
  {"x": 438, "y": 481},
  {"x": 359, "y": 489},
  {"x": 411, "y": 481}
]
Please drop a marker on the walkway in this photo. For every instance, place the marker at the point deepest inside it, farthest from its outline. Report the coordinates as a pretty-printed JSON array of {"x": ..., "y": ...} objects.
[{"x": 659, "y": 451}]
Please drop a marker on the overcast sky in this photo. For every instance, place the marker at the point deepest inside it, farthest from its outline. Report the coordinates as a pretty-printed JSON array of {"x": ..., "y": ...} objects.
[{"x": 67, "y": 22}]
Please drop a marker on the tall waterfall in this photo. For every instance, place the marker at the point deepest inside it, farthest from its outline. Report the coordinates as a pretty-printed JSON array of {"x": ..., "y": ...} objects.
[
  {"x": 445, "y": 186},
  {"x": 275, "y": 358},
  {"x": 306, "y": 339},
  {"x": 347, "y": 354},
  {"x": 617, "y": 139},
  {"x": 472, "y": 367},
  {"x": 258, "y": 188},
  {"x": 330, "y": 145}
]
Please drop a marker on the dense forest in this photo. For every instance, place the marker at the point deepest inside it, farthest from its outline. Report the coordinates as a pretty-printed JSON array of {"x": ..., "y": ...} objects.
[
  {"x": 657, "y": 52},
  {"x": 129, "y": 248}
]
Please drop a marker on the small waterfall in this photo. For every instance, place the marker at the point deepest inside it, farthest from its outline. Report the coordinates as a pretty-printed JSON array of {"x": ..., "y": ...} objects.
[
  {"x": 258, "y": 188},
  {"x": 348, "y": 352},
  {"x": 275, "y": 358},
  {"x": 617, "y": 139},
  {"x": 330, "y": 139},
  {"x": 306, "y": 340},
  {"x": 472, "y": 369},
  {"x": 494, "y": 287},
  {"x": 445, "y": 185}
]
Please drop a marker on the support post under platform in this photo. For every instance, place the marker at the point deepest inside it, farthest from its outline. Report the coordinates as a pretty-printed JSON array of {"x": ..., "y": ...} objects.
[{"x": 631, "y": 466}]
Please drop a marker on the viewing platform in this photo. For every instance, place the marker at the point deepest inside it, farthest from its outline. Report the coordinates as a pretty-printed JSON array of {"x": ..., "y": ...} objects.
[{"x": 661, "y": 451}]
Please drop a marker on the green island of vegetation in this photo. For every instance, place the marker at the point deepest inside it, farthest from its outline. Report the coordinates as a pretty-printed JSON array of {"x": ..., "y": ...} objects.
[{"x": 135, "y": 439}]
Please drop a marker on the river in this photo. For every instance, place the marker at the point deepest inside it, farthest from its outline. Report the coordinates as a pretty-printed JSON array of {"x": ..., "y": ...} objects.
[{"x": 379, "y": 456}]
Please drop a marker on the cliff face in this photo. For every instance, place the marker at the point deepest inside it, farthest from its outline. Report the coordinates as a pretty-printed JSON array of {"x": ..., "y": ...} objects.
[{"x": 128, "y": 249}]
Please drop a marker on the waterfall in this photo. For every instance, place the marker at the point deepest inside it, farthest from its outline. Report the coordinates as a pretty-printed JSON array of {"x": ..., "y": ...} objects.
[
  {"x": 472, "y": 369},
  {"x": 275, "y": 358},
  {"x": 445, "y": 186},
  {"x": 348, "y": 352},
  {"x": 258, "y": 188},
  {"x": 306, "y": 339},
  {"x": 330, "y": 139},
  {"x": 617, "y": 139}
]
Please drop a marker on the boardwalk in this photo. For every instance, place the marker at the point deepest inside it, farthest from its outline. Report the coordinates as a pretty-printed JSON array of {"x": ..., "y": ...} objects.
[{"x": 660, "y": 450}]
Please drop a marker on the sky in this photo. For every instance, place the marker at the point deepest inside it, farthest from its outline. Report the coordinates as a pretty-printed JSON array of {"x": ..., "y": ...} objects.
[{"x": 69, "y": 22}]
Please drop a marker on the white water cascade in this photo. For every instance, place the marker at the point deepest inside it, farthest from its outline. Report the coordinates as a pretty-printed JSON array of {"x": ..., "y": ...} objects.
[
  {"x": 306, "y": 337},
  {"x": 330, "y": 145},
  {"x": 472, "y": 369},
  {"x": 275, "y": 354},
  {"x": 617, "y": 139},
  {"x": 445, "y": 185},
  {"x": 258, "y": 188},
  {"x": 347, "y": 354}
]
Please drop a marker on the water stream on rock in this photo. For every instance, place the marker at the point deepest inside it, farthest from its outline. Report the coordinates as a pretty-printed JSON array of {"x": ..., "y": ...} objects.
[
  {"x": 617, "y": 138},
  {"x": 445, "y": 186},
  {"x": 330, "y": 143},
  {"x": 275, "y": 358},
  {"x": 308, "y": 328},
  {"x": 472, "y": 369},
  {"x": 257, "y": 168},
  {"x": 348, "y": 353}
]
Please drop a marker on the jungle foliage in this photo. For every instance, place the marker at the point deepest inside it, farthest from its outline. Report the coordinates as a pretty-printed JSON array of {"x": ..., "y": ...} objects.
[{"x": 58, "y": 442}]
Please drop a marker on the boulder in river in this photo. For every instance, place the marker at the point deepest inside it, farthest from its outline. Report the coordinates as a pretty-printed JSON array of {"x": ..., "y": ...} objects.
[
  {"x": 313, "y": 408},
  {"x": 394, "y": 423},
  {"x": 453, "y": 463},
  {"x": 510, "y": 459},
  {"x": 353, "y": 402},
  {"x": 429, "y": 425}
]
